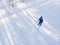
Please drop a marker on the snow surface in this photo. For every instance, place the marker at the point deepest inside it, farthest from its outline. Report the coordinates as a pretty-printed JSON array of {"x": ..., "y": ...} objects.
[{"x": 18, "y": 25}]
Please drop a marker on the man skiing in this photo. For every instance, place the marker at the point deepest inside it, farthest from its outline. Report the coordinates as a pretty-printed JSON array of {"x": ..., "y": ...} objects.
[{"x": 40, "y": 21}]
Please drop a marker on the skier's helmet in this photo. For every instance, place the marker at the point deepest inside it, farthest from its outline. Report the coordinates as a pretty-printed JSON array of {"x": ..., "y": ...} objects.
[{"x": 41, "y": 17}]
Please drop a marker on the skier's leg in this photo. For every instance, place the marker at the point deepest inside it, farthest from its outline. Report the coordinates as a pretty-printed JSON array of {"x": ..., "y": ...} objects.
[{"x": 39, "y": 26}]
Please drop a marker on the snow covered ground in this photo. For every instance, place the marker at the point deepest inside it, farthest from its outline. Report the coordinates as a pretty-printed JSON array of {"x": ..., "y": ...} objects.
[{"x": 18, "y": 25}]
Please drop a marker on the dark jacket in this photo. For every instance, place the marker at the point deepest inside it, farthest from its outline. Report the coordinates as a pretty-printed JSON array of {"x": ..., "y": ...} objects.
[{"x": 40, "y": 19}]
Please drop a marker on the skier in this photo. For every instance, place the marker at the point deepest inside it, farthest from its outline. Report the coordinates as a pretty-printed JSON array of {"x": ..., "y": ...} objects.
[{"x": 40, "y": 21}]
